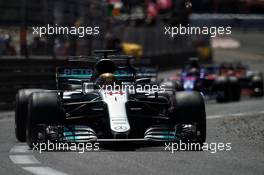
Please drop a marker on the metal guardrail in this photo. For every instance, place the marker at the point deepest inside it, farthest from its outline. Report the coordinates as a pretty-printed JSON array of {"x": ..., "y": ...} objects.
[
  {"x": 241, "y": 21},
  {"x": 20, "y": 73}
]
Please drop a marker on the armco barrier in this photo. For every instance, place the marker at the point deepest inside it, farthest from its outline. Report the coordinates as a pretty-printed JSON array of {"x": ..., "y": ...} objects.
[
  {"x": 21, "y": 73},
  {"x": 27, "y": 73},
  {"x": 239, "y": 21}
]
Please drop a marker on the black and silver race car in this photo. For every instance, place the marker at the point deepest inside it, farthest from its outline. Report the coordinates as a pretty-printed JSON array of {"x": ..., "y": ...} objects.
[{"x": 91, "y": 105}]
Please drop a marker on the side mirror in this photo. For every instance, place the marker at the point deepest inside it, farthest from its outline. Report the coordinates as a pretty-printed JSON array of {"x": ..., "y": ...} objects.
[{"x": 88, "y": 87}]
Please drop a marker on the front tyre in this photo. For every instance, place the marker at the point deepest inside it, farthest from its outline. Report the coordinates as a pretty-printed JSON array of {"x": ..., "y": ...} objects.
[
  {"x": 21, "y": 111},
  {"x": 43, "y": 108},
  {"x": 189, "y": 108}
]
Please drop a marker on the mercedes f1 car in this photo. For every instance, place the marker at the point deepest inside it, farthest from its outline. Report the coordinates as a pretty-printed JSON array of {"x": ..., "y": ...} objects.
[{"x": 86, "y": 108}]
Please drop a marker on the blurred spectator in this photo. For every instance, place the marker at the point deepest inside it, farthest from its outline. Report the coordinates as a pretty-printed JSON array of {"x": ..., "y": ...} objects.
[
  {"x": 112, "y": 42},
  {"x": 2, "y": 45},
  {"x": 164, "y": 6},
  {"x": 6, "y": 46},
  {"x": 59, "y": 47},
  {"x": 152, "y": 11},
  {"x": 72, "y": 45},
  {"x": 37, "y": 47}
]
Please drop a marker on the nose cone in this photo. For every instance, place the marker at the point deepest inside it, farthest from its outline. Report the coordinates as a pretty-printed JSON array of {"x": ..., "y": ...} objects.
[{"x": 116, "y": 103}]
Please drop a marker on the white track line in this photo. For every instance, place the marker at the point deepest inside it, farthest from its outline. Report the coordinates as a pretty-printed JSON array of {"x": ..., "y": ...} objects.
[
  {"x": 43, "y": 170},
  {"x": 8, "y": 113},
  {"x": 17, "y": 158},
  {"x": 5, "y": 119},
  {"x": 23, "y": 159},
  {"x": 235, "y": 115},
  {"x": 20, "y": 149}
]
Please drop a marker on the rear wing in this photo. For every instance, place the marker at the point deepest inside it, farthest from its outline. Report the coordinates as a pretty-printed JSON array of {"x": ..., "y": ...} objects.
[
  {"x": 66, "y": 76},
  {"x": 83, "y": 68}
]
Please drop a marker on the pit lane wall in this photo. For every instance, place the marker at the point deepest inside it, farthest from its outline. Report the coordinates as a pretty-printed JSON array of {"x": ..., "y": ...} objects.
[
  {"x": 25, "y": 73},
  {"x": 17, "y": 73}
]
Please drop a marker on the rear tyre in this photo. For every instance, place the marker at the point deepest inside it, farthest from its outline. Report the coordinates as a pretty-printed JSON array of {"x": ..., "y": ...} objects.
[
  {"x": 21, "y": 111},
  {"x": 43, "y": 108},
  {"x": 257, "y": 86},
  {"x": 223, "y": 90},
  {"x": 235, "y": 89},
  {"x": 190, "y": 109}
]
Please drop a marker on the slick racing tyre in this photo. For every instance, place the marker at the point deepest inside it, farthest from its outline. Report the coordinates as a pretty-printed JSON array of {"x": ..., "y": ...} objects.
[
  {"x": 21, "y": 111},
  {"x": 235, "y": 89},
  {"x": 227, "y": 89},
  {"x": 222, "y": 89},
  {"x": 44, "y": 108},
  {"x": 257, "y": 86},
  {"x": 189, "y": 108}
]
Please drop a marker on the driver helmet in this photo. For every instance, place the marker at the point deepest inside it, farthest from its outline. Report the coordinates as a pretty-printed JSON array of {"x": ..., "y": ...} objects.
[{"x": 106, "y": 79}]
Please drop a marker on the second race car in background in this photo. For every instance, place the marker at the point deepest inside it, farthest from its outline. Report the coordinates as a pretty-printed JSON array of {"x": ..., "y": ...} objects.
[
  {"x": 225, "y": 82},
  {"x": 250, "y": 81}
]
